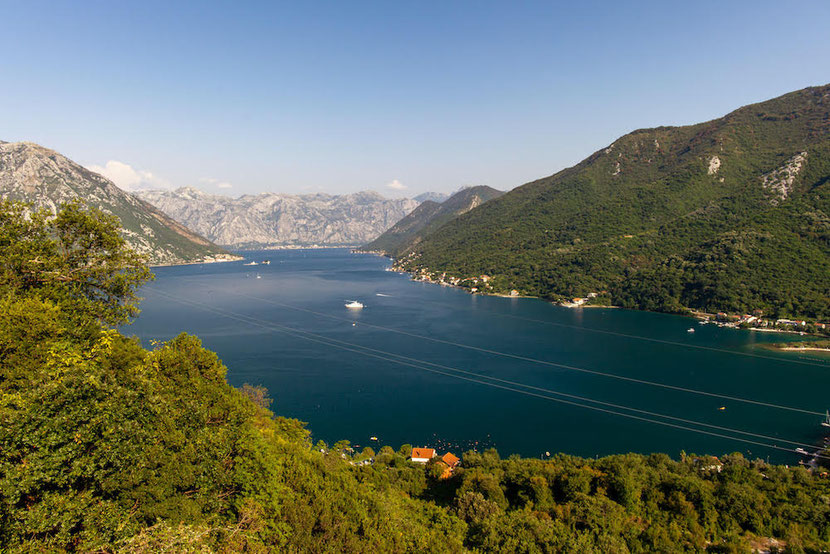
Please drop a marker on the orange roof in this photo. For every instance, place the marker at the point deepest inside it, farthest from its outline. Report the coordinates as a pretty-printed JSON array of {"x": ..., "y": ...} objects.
[
  {"x": 450, "y": 459},
  {"x": 427, "y": 453}
]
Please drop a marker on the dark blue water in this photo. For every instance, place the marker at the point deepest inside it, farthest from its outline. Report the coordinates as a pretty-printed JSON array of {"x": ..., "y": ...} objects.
[{"x": 346, "y": 392}]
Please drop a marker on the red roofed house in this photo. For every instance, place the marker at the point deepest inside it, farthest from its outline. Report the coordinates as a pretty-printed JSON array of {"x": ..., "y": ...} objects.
[
  {"x": 450, "y": 461},
  {"x": 422, "y": 455}
]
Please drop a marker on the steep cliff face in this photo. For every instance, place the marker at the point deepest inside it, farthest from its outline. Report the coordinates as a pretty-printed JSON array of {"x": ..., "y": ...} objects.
[
  {"x": 46, "y": 179},
  {"x": 282, "y": 219}
]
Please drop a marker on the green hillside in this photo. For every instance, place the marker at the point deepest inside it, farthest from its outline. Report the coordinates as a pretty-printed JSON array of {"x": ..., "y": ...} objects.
[
  {"x": 728, "y": 215},
  {"x": 427, "y": 218},
  {"x": 106, "y": 446}
]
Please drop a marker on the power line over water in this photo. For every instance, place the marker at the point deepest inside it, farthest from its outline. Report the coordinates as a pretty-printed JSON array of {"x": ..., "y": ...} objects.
[
  {"x": 537, "y": 392},
  {"x": 421, "y": 362}
]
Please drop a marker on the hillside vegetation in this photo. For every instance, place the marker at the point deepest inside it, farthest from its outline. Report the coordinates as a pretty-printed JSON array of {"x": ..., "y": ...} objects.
[
  {"x": 428, "y": 218},
  {"x": 730, "y": 215},
  {"x": 106, "y": 446}
]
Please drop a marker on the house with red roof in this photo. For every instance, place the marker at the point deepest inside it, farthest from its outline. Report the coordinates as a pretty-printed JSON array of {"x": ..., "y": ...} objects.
[
  {"x": 450, "y": 461},
  {"x": 422, "y": 455}
]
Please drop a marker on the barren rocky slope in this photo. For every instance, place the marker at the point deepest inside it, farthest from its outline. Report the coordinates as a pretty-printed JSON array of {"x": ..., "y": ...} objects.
[
  {"x": 46, "y": 179},
  {"x": 271, "y": 219}
]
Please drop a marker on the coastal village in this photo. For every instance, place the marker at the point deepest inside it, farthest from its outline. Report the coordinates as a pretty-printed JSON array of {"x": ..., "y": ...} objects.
[{"x": 484, "y": 284}]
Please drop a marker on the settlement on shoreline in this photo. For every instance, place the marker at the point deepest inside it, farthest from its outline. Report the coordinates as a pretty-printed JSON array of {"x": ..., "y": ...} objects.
[
  {"x": 483, "y": 285},
  {"x": 208, "y": 260}
]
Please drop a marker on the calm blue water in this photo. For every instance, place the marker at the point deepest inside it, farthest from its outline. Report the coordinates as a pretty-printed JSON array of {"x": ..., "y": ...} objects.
[{"x": 353, "y": 393}]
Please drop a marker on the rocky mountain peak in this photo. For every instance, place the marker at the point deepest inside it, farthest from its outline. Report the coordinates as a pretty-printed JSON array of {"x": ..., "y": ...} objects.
[
  {"x": 275, "y": 219},
  {"x": 45, "y": 178}
]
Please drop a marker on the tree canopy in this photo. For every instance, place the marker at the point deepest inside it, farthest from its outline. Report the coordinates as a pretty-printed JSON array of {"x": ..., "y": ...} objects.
[{"x": 76, "y": 258}]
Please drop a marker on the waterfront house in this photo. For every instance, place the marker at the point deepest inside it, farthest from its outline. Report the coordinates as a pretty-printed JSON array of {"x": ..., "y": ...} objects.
[
  {"x": 449, "y": 461},
  {"x": 422, "y": 455}
]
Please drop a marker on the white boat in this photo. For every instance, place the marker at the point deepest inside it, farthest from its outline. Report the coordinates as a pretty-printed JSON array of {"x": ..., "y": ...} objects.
[
  {"x": 266, "y": 262},
  {"x": 690, "y": 330},
  {"x": 801, "y": 451},
  {"x": 826, "y": 421},
  {"x": 250, "y": 263},
  {"x": 354, "y": 304},
  {"x": 259, "y": 276}
]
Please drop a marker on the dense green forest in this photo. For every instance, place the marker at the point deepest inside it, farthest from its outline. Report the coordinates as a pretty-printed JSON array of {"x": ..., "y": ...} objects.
[
  {"x": 106, "y": 446},
  {"x": 730, "y": 215}
]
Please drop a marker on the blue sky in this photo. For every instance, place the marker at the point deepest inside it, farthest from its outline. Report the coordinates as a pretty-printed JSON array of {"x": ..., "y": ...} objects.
[{"x": 245, "y": 97}]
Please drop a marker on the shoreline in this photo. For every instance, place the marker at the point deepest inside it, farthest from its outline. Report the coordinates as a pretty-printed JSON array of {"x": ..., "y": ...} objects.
[
  {"x": 700, "y": 316},
  {"x": 479, "y": 292},
  {"x": 213, "y": 261},
  {"x": 295, "y": 247}
]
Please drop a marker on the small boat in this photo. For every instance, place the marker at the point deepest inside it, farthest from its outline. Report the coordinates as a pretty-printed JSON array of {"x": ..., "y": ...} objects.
[
  {"x": 801, "y": 451},
  {"x": 354, "y": 304},
  {"x": 826, "y": 422},
  {"x": 690, "y": 330},
  {"x": 266, "y": 262},
  {"x": 250, "y": 263},
  {"x": 259, "y": 276},
  {"x": 373, "y": 438},
  {"x": 722, "y": 408}
]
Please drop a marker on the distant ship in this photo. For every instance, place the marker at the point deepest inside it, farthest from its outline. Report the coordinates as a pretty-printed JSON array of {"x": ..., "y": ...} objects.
[
  {"x": 354, "y": 304},
  {"x": 250, "y": 263},
  {"x": 266, "y": 262},
  {"x": 690, "y": 330}
]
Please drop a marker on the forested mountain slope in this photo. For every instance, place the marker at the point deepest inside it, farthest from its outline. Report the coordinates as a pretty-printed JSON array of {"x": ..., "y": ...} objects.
[
  {"x": 732, "y": 214},
  {"x": 427, "y": 218},
  {"x": 44, "y": 178}
]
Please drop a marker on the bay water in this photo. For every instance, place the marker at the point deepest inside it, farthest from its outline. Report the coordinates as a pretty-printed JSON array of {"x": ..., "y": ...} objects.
[{"x": 435, "y": 366}]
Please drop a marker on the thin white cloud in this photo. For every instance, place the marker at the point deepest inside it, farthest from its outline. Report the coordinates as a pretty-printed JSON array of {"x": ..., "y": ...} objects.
[
  {"x": 396, "y": 185},
  {"x": 218, "y": 183},
  {"x": 129, "y": 178}
]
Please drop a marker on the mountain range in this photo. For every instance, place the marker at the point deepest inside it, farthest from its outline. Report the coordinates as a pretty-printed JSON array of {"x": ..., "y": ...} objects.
[
  {"x": 728, "y": 215},
  {"x": 270, "y": 219},
  {"x": 427, "y": 218},
  {"x": 44, "y": 178}
]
